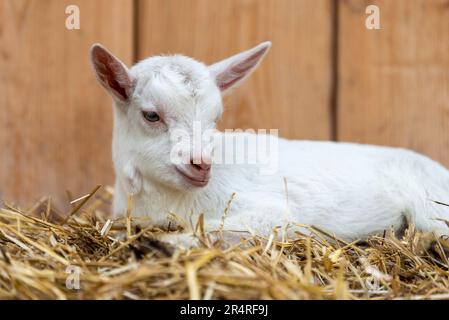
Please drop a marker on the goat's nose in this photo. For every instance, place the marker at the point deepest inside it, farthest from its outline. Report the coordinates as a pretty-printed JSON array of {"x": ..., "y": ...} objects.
[{"x": 200, "y": 165}]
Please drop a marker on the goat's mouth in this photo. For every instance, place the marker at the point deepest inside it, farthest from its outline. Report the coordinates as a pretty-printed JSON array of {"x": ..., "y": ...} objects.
[{"x": 197, "y": 179}]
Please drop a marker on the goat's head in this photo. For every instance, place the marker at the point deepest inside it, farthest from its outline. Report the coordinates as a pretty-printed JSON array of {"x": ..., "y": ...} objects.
[{"x": 163, "y": 99}]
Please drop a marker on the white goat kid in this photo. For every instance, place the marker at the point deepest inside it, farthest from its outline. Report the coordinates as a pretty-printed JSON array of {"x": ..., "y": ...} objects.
[{"x": 348, "y": 190}]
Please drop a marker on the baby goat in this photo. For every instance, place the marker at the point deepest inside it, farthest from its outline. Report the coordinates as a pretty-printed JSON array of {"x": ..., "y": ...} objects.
[{"x": 348, "y": 190}]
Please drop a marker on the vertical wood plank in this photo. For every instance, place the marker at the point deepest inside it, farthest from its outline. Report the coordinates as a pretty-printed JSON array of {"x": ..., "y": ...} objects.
[
  {"x": 290, "y": 91},
  {"x": 394, "y": 82},
  {"x": 55, "y": 121}
]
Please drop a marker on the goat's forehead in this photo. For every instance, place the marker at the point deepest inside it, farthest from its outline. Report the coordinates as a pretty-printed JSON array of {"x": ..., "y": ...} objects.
[
  {"x": 181, "y": 74},
  {"x": 174, "y": 81}
]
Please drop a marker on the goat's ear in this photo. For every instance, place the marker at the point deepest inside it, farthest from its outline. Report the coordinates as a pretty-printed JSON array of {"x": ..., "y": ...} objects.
[
  {"x": 111, "y": 73},
  {"x": 229, "y": 73}
]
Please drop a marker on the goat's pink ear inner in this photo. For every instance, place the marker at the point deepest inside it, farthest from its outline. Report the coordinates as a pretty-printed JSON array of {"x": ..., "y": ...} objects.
[
  {"x": 230, "y": 72},
  {"x": 111, "y": 73}
]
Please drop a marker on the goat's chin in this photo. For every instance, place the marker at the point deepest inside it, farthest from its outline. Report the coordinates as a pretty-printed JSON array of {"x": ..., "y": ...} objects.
[
  {"x": 187, "y": 184},
  {"x": 192, "y": 180},
  {"x": 183, "y": 185},
  {"x": 179, "y": 183}
]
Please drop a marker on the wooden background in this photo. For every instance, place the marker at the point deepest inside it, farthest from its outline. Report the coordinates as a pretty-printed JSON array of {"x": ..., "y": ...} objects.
[{"x": 327, "y": 77}]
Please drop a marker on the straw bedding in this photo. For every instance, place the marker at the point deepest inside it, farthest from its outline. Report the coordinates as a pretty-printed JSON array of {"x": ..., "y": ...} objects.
[{"x": 42, "y": 254}]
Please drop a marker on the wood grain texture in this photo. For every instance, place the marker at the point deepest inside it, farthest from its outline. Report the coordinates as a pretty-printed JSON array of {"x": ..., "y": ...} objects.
[
  {"x": 394, "y": 82},
  {"x": 55, "y": 120},
  {"x": 291, "y": 89}
]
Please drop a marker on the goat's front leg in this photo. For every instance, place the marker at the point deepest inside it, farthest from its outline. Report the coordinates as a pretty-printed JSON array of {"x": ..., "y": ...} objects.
[
  {"x": 190, "y": 240},
  {"x": 232, "y": 229},
  {"x": 179, "y": 240}
]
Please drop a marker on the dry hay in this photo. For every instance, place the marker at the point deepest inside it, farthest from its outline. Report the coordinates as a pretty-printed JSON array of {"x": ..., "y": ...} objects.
[{"x": 38, "y": 250}]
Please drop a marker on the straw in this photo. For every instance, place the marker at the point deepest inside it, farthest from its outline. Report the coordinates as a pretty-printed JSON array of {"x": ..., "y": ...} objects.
[{"x": 46, "y": 257}]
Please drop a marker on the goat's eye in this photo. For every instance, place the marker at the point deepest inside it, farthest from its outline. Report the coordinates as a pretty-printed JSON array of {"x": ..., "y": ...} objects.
[{"x": 151, "y": 116}]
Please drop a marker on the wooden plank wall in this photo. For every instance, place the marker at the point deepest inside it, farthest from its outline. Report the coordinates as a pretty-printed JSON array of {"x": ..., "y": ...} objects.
[
  {"x": 55, "y": 123},
  {"x": 320, "y": 81},
  {"x": 394, "y": 82}
]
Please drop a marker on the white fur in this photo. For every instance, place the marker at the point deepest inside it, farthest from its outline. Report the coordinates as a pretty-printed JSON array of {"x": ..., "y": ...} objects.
[{"x": 349, "y": 190}]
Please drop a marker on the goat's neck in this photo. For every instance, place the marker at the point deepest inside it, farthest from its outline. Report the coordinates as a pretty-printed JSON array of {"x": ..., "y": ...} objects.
[{"x": 159, "y": 202}]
